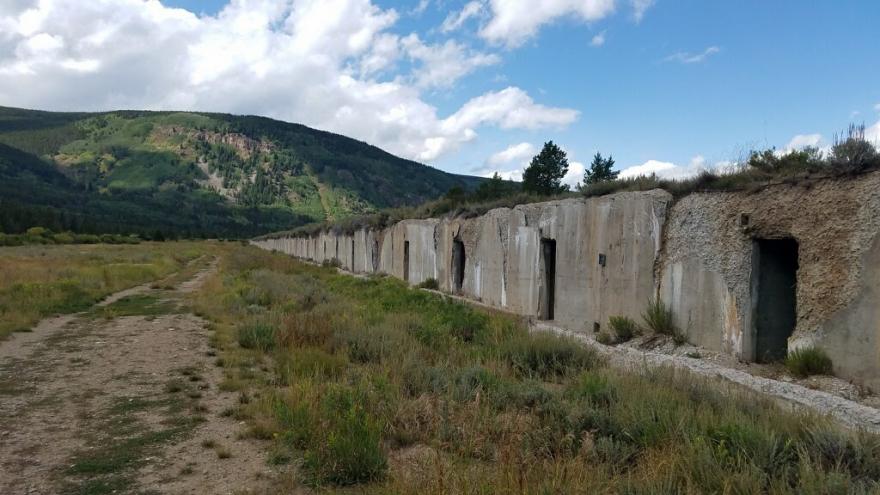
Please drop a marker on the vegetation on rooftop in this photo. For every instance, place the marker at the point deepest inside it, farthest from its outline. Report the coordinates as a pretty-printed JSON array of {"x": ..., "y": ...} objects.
[{"x": 850, "y": 155}]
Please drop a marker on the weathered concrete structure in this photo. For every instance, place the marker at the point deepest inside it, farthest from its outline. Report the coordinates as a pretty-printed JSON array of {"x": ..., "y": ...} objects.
[{"x": 751, "y": 274}]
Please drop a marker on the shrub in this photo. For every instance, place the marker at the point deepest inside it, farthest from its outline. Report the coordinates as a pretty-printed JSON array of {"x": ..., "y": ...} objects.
[
  {"x": 256, "y": 335},
  {"x": 605, "y": 338},
  {"x": 350, "y": 450},
  {"x": 546, "y": 355},
  {"x": 308, "y": 362},
  {"x": 332, "y": 263},
  {"x": 658, "y": 318},
  {"x": 430, "y": 283},
  {"x": 808, "y": 361},
  {"x": 624, "y": 328}
]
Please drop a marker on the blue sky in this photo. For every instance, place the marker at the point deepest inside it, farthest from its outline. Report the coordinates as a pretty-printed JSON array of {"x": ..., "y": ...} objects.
[{"x": 667, "y": 85}]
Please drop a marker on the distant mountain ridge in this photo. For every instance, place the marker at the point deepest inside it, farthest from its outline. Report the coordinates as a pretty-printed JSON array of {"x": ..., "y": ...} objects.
[{"x": 192, "y": 173}]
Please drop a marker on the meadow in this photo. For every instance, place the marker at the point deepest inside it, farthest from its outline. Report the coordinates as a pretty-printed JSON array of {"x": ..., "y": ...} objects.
[
  {"x": 37, "y": 281},
  {"x": 364, "y": 385}
]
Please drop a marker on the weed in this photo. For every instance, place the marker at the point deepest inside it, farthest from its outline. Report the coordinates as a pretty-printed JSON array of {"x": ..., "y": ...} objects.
[
  {"x": 605, "y": 338},
  {"x": 429, "y": 283},
  {"x": 624, "y": 328},
  {"x": 547, "y": 356},
  {"x": 257, "y": 335},
  {"x": 808, "y": 361},
  {"x": 658, "y": 318}
]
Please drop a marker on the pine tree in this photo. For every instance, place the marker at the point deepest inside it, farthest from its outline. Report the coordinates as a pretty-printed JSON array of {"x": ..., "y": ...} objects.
[
  {"x": 600, "y": 170},
  {"x": 545, "y": 172}
]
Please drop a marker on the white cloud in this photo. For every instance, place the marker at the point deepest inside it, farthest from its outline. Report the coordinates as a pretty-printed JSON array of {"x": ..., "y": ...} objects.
[
  {"x": 598, "y": 40},
  {"x": 872, "y": 133},
  {"x": 455, "y": 20},
  {"x": 331, "y": 64},
  {"x": 647, "y": 168},
  {"x": 420, "y": 8},
  {"x": 692, "y": 58},
  {"x": 513, "y": 153},
  {"x": 877, "y": 107},
  {"x": 443, "y": 65},
  {"x": 513, "y": 22},
  {"x": 640, "y": 7},
  {"x": 801, "y": 141},
  {"x": 575, "y": 174},
  {"x": 510, "y": 108},
  {"x": 669, "y": 170},
  {"x": 511, "y": 162}
]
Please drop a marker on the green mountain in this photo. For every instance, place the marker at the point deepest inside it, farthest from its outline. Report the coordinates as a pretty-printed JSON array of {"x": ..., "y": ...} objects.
[{"x": 194, "y": 174}]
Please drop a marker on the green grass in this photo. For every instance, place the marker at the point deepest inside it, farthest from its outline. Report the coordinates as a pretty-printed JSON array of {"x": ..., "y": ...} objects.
[
  {"x": 624, "y": 328},
  {"x": 808, "y": 361},
  {"x": 136, "y": 305},
  {"x": 370, "y": 371},
  {"x": 39, "y": 281},
  {"x": 121, "y": 442}
]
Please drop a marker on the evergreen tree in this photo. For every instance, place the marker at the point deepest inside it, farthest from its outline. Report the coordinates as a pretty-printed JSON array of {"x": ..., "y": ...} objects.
[
  {"x": 545, "y": 172},
  {"x": 600, "y": 170}
]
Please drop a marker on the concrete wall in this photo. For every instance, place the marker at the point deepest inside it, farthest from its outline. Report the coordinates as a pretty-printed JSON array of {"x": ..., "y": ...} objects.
[
  {"x": 708, "y": 272},
  {"x": 698, "y": 254},
  {"x": 502, "y": 254}
]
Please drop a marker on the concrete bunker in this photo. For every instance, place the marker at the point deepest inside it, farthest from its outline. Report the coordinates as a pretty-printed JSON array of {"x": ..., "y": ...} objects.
[
  {"x": 775, "y": 314},
  {"x": 547, "y": 266},
  {"x": 458, "y": 263},
  {"x": 406, "y": 261}
]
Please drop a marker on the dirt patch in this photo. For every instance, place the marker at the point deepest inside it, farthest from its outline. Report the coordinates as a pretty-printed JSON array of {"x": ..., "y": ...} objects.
[{"x": 96, "y": 404}]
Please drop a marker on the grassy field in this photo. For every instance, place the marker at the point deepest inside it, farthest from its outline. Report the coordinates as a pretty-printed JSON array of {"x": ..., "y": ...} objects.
[
  {"x": 39, "y": 281},
  {"x": 367, "y": 386}
]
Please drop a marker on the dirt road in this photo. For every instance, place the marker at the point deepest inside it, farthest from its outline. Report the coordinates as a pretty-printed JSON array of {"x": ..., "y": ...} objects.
[{"x": 123, "y": 398}]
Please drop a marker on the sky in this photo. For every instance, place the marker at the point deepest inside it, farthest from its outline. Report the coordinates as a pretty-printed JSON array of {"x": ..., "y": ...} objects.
[{"x": 472, "y": 86}]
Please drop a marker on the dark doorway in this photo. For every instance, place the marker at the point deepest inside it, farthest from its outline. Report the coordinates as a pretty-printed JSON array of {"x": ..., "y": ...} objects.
[
  {"x": 776, "y": 309},
  {"x": 375, "y": 256},
  {"x": 352, "y": 255},
  {"x": 548, "y": 278},
  {"x": 406, "y": 260},
  {"x": 458, "y": 261}
]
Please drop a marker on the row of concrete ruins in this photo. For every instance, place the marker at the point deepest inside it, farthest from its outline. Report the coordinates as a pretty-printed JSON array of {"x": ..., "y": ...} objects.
[{"x": 750, "y": 273}]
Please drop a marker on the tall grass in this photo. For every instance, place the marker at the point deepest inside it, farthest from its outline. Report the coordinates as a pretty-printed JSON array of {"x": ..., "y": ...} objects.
[
  {"x": 397, "y": 390},
  {"x": 38, "y": 281}
]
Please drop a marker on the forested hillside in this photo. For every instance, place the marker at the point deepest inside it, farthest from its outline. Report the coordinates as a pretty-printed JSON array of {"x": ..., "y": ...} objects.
[{"x": 192, "y": 174}]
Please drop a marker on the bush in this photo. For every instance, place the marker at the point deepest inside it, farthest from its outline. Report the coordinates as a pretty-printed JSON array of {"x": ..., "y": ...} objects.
[
  {"x": 605, "y": 338},
  {"x": 546, "y": 355},
  {"x": 256, "y": 335},
  {"x": 332, "y": 263},
  {"x": 350, "y": 450},
  {"x": 624, "y": 328},
  {"x": 658, "y": 318},
  {"x": 308, "y": 362},
  {"x": 430, "y": 283},
  {"x": 808, "y": 361}
]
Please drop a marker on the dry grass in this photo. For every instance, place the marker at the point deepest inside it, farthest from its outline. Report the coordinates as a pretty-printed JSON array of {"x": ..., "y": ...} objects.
[
  {"x": 393, "y": 390},
  {"x": 38, "y": 281}
]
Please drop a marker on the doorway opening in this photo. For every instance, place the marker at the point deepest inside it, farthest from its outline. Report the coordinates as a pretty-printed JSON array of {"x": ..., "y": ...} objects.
[
  {"x": 352, "y": 255},
  {"x": 406, "y": 261},
  {"x": 458, "y": 262},
  {"x": 547, "y": 304},
  {"x": 375, "y": 256},
  {"x": 776, "y": 308}
]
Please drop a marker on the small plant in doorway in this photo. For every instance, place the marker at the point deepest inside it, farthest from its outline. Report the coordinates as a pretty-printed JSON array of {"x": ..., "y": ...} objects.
[{"x": 808, "y": 361}]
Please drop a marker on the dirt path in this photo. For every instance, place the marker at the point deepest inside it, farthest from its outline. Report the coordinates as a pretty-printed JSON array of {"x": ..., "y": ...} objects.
[{"x": 124, "y": 398}]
